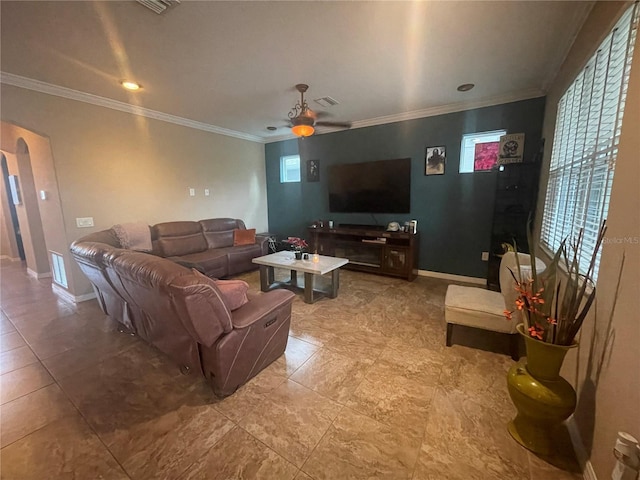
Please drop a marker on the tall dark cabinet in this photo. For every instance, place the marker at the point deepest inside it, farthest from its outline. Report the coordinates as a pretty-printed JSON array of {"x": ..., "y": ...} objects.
[{"x": 515, "y": 202}]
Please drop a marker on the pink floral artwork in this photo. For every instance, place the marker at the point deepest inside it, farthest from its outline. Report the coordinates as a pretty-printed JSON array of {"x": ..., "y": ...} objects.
[{"x": 486, "y": 156}]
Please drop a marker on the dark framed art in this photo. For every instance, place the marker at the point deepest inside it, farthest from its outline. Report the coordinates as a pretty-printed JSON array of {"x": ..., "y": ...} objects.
[
  {"x": 434, "y": 161},
  {"x": 313, "y": 170}
]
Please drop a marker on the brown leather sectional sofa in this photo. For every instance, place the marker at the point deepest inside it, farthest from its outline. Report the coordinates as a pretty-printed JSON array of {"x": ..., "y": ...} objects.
[
  {"x": 181, "y": 311},
  {"x": 208, "y": 244}
]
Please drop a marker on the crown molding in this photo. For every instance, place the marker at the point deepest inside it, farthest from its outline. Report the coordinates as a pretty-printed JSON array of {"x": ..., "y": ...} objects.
[
  {"x": 432, "y": 111},
  {"x": 50, "y": 89},
  {"x": 450, "y": 108}
]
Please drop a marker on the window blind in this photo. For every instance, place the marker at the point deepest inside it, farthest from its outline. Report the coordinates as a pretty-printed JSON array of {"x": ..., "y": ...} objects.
[{"x": 585, "y": 143}]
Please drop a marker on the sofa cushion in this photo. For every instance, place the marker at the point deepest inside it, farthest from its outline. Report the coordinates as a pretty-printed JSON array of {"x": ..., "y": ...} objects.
[
  {"x": 244, "y": 236},
  {"x": 214, "y": 262},
  {"x": 219, "y": 231},
  {"x": 234, "y": 293},
  {"x": 478, "y": 308},
  {"x": 179, "y": 238}
]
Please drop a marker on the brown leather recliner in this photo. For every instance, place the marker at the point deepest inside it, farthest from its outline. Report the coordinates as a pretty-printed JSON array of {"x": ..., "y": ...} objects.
[
  {"x": 94, "y": 248},
  {"x": 183, "y": 314}
]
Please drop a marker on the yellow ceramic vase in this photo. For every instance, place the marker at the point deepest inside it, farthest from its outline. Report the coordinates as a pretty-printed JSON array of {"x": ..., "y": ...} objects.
[{"x": 542, "y": 397}]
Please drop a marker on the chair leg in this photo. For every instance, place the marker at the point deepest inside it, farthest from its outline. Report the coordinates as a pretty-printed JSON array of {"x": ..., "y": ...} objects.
[
  {"x": 514, "y": 344},
  {"x": 449, "y": 333}
]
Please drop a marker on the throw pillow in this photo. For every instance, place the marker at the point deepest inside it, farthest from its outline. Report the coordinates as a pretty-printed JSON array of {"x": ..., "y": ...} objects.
[
  {"x": 234, "y": 292},
  {"x": 133, "y": 236},
  {"x": 244, "y": 236}
]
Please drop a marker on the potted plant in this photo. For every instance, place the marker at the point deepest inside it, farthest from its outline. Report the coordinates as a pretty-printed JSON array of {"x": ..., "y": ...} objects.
[
  {"x": 297, "y": 245},
  {"x": 553, "y": 306}
]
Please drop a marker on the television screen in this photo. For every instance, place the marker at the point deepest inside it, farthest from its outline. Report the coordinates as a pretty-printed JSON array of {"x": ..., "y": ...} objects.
[{"x": 371, "y": 187}]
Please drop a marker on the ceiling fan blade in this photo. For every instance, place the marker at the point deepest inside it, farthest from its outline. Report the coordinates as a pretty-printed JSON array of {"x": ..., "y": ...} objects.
[{"x": 334, "y": 124}]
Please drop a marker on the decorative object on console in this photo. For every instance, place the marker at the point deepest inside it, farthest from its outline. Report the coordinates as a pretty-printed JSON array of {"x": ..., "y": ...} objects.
[
  {"x": 244, "y": 236},
  {"x": 435, "y": 159},
  {"x": 313, "y": 170},
  {"x": 552, "y": 314}
]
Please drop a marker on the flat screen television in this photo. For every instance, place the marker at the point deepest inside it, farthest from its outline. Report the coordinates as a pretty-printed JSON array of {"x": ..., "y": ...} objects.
[{"x": 371, "y": 187}]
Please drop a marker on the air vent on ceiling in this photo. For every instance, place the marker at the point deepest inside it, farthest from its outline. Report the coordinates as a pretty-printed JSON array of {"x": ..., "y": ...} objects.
[
  {"x": 158, "y": 6},
  {"x": 326, "y": 101}
]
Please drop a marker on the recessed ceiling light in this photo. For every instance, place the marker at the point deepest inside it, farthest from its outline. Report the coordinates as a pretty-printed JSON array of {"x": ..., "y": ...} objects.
[
  {"x": 130, "y": 85},
  {"x": 465, "y": 87},
  {"x": 270, "y": 128}
]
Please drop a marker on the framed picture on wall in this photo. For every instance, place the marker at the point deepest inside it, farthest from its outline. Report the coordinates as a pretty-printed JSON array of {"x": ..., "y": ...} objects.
[
  {"x": 313, "y": 170},
  {"x": 435, "y": 160}
]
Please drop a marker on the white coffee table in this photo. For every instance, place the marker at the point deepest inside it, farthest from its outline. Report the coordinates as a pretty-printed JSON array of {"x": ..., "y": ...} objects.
[{"x": 310, "y": 269}]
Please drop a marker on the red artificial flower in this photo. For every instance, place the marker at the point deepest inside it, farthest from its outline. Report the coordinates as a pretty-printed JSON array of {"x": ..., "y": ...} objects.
[
  {"x": 297, "y": 242},
  {"x": 536, "y": 332}
]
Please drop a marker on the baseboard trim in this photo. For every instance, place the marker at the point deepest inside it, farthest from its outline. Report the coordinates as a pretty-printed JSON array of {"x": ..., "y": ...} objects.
[
  {"x": 11, "y": 259},
  {"x": 38, "y": 275},
  {"x": 450, "y": 276},
  {"x": 68, "y": 296},
  {"x": 588, "y": 473}
]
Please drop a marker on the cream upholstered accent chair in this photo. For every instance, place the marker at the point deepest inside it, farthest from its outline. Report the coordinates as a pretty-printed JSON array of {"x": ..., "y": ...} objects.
[{"x": 484, "y": 309}]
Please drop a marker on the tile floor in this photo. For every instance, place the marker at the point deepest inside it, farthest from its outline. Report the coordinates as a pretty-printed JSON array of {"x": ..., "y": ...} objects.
[{"x": 366, "y": 389}]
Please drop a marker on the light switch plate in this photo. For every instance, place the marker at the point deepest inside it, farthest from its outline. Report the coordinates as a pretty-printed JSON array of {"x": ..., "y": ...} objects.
[
  {"x": 206, "y": 192},
  {"x": 192, "y": 192},
  {"x": 84, "y": 222},
  {"x": 485, "y": 256}
]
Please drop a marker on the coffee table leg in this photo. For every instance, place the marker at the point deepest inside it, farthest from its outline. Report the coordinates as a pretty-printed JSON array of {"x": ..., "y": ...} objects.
[
  {"x": 308, "y": 287},
  {"x": 335, "y": 283},
  {"x": 266, "y": 277}
]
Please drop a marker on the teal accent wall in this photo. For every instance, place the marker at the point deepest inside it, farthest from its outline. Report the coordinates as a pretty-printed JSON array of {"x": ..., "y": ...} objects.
[{"x": 454, "y": 211}]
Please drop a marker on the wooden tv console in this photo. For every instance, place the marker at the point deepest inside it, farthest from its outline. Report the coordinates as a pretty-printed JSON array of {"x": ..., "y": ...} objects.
[{"x": 370, "y": 250}]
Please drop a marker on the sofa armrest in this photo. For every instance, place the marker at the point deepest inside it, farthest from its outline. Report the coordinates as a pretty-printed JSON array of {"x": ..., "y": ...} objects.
[
  {"x": 263, "y": 241},
  {"x": 259, "y": 307}
]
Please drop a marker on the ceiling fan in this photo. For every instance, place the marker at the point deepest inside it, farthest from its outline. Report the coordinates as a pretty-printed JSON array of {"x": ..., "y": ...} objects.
[{"x": 303, "y": 119}]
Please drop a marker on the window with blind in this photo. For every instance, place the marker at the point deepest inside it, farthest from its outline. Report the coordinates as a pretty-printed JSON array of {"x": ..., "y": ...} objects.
[{"x": 585, "y": 143}]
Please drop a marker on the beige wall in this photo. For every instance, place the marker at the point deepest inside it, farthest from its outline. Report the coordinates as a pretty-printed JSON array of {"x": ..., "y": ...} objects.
[
  {"x": 606, "y": 368},
  {"x": 117, "y": 167}
]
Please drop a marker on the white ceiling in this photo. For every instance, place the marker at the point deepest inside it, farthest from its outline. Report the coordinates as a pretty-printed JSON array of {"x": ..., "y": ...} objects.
[{"x": 233, "y": 65}]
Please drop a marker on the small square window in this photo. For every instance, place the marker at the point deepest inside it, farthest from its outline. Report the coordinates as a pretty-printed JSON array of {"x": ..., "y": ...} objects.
[
  {"x": 479, "y": 151},
  {"x": 290, "y": 169}
]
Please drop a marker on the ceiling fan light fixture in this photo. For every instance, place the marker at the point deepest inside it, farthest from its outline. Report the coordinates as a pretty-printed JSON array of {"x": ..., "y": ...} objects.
[
  {"x": 303, "y": 130},
  {"x": 129, "y": 85}
]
